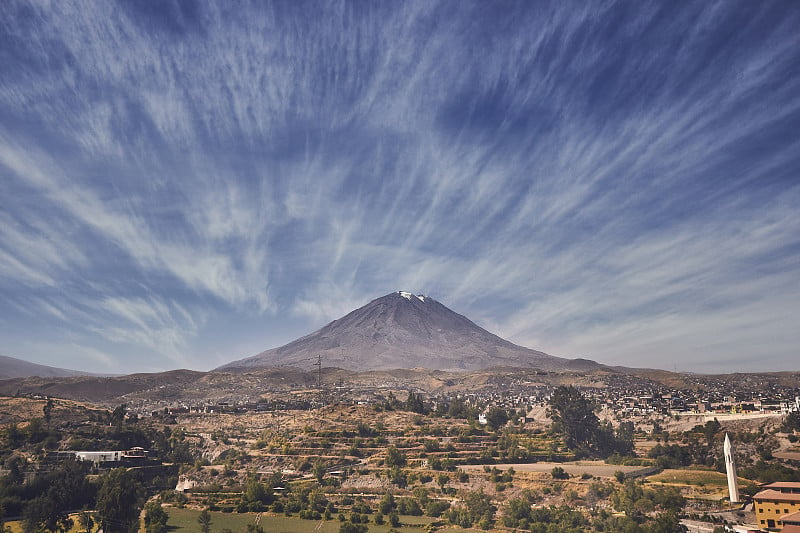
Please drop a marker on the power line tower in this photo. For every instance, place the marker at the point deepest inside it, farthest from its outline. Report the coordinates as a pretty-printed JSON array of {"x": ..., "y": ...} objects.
[{"x": 318, "y": 364}]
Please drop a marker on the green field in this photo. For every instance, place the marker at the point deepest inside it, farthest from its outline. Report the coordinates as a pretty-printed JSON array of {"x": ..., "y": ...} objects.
[
  {"x": 697, "y": 484},
  {"x": 708, "y": 478},
  {"x": 185, "y": 520},
  {"x": 16, "y": 525}
]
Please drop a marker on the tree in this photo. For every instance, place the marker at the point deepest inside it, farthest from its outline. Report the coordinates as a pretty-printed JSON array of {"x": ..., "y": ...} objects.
[
  {"x": 516, "y": 510},
  {"x": 70, "y": 487},
  {"x": 414, "y": 403},
  {"x": 574, "y": 416},
  {"x": 205, "y": 521},
  {"x": 256, "y": 494},
  {"x": 792, "y": 422},
  {"x": 624, "y": 444},
  {"x": 711, "y": 428},
  {"x": 667, "y": 522},
  {"x": 435, "y": 508},
  {"x": 496, "y": 418},
  {"x": 45, "y": 513},
  {"x": 479, "y": 505},
  {"x": 155, "y": 518},
  {"x": 35, "y": 431},
  {"x": 318, "y": 470},
  {"x": 387, "y": 504},
  {"x": 15, "y": 437},
  {"x": 59, "y": 491},
  {"x": 397, "y": 476},
  {"x": 85, "y": 520},
  {"x": 118, "y": 415},
  {"x": 15, "y": 465},
  {"x": 48, "y": 411},
  {"x": 349, "y": 527},
  {"x": 317, "y": 500},
  {"x": 477, "y": 508},
  {"x": 394, "y": 457},
  {"x": 409, "y": 506},
  {"x": 119, "y": 499}
]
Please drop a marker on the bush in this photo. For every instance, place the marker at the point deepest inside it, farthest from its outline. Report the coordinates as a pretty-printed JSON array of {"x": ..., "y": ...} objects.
[
  {"x": 349, "y": 527},
  {"x": 436, "y": 508}
]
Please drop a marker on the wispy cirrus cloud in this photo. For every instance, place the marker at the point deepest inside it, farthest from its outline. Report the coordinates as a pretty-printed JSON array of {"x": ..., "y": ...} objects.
[
  {"x": 587, "y": 179},
  {"x": 118, "y": 327}
]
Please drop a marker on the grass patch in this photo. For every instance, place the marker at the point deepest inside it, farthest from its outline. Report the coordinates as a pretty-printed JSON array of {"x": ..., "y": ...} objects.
[
  {"x": 16, "y": 525},
  {"x": 697, "y": 478},
  {"x": 185, "y": 520}
]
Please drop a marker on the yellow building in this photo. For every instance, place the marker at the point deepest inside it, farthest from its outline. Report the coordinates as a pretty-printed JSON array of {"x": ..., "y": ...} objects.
[
  {"x": 791, "y": 523},
  {"x": 776, "y": 504}
]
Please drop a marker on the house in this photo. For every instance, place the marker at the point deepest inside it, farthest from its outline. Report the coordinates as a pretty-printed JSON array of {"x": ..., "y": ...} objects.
[
  {"x": 100, "y": 457},
  {"x": 778, "y": 505},
  {"x": 133, "y": 456}
]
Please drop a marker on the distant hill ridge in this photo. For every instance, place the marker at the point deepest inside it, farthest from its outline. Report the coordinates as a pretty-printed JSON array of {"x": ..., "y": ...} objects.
[
  {"x": 11, "y": 367},
  {"x": 405, "y": 330}
]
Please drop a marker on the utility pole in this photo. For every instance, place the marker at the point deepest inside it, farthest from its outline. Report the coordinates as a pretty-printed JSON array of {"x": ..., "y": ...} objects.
[{"x": 318, "y": 364}]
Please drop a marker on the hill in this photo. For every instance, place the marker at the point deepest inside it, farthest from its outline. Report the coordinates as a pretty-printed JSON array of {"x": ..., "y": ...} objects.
[
  {"x": 404, "y": 330},
  {"x": 98, "y": 389},
  {"x": 11, "y": 367}
]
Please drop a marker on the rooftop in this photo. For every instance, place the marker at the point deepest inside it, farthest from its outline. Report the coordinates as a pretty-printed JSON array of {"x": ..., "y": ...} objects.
[
  {"x": 782, "y": 485},
  {"x": 775, "y": 495}
]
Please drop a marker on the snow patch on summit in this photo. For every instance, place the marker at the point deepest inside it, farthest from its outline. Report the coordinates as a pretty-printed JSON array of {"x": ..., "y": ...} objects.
[{"x": 408, "y": 296}]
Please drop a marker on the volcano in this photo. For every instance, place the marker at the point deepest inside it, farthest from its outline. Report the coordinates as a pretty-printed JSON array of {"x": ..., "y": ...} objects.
[{"x": 405, "y": 330}]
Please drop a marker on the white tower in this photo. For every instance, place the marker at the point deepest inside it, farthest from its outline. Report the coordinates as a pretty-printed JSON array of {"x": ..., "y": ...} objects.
[{"x": 730, "y": 467}]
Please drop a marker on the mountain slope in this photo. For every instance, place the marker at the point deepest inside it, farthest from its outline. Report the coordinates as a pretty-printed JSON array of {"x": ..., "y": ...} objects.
[
  {"x": 94, "y": 388},
  {"x": 403, "y": 330},
  {"x": 11, "y": 367}
]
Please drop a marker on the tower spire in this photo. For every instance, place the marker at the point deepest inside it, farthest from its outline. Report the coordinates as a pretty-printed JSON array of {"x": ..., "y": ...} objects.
[{"x": 730, "y": 468}]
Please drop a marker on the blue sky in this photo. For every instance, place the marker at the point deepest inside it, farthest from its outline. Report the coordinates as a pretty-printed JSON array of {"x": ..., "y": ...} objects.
[{"x": 184, "y": 184}]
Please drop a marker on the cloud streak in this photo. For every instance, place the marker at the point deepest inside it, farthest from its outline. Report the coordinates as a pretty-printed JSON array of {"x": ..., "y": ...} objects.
[{"x": 611, "y": 181}]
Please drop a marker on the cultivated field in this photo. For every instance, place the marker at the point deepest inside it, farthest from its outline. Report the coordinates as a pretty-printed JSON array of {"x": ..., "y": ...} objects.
[
  {"x": 698, "y": 484},
  {"x": 185, "y": 520},
  {"x": 573, "y": 468}
]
